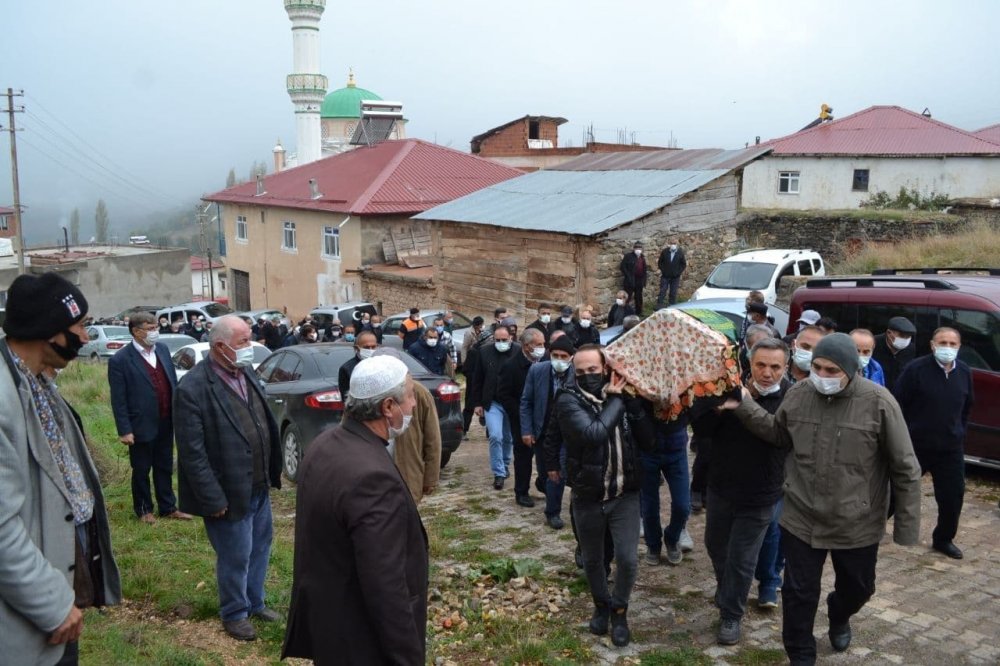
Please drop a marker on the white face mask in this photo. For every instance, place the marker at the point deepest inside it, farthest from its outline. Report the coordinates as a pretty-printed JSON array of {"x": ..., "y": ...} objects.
[
  {"x": 863, "y": 361},
  {"x": 502, "y": 346},
  {"x": 545, "y": 318},
  {"x": 396, "y": 432},
  {"x": 945, "y": 355},
  {"x": 566, "y": 320},
  {"x": 774, "y": 388},
  {"x": 584, "y": 323},
  {"x": 619, "y": 302},
  {"x": 673, "y": 248},
  {"x": 537, "y": 353},
  {"x": 152, "y": 337},
  {"x": 432, "y": 342},
  {"x": 825, "y": 385},
  {"x": 560, "y": 366},
  {"x": 802, "y": 358},
  {"x": 366, "y": 353},
  {"x": 901, "y": 343},
  {"x": 638, "y": 253},
  {"x": 244, "y": 356}
]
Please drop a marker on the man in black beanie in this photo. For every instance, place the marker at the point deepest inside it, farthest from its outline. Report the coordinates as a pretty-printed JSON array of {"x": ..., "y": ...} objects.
[
  {"x": 849, "y": 444},
  {"x": 57, "y": 555}
]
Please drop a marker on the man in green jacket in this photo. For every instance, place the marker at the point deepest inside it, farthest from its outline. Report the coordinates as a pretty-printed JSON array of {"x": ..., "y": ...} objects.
[{"x": 849, "y": 443}]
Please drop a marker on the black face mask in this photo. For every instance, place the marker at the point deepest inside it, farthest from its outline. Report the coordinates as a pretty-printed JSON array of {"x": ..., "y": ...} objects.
[
  {"x": 592, "y": 383},
  {"x": 73, "y": 345}
]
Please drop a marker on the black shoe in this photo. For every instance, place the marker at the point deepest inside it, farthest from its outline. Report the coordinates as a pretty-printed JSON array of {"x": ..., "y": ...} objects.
[
  {"x": 578, "y": 557},
  {"x": 620, "y": 635},
  {"x": 555, "y": 522},
  {"x": 949, "y": 549},
  {"x": 840, "y": 636},
  {"x": 540, "y": 484},
  {"x": 525, "y": 501},
  {"x": 267, "y": 615},
  {"x": 599, "y": 620},
  {"x": 497, "y": 483},
  {"x": 697, "y": 503},
  {"x": 241, "y": 629}
]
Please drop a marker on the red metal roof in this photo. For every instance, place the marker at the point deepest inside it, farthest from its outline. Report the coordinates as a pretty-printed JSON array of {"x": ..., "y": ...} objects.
[
  {"x": 991, "y": 133},
  {"x": 393, "y": 177},
  {"x": 6, "y": 211},
  {"x": 887, "y": 131},
  {"x": 201, "y": 263}
]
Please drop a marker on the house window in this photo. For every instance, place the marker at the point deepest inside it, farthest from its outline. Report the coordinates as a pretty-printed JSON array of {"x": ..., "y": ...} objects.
[
  {"x": 331, "y": 242},
  {"x": 241, "y": 228},
  {"x": 788, "y": 182},
  {"x": 4, "y": 225},
  {"x": 533, "y": 129},
  {"x": 288, "y": 237},
  {"x": 860, "y": 180}
]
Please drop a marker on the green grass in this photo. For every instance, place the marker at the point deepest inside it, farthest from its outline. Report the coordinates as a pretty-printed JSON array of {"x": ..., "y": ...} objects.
[
  {"x": 979, "y": 246},
  {"x": 853, "y": 214},
  {"x": 680, "y": 657},
  {"x": 167, "y": 569},
  {"x": 758, "y": 657}
]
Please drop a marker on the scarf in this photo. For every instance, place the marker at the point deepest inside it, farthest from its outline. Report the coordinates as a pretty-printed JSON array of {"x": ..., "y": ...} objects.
[{"x": 614, "y": 474}]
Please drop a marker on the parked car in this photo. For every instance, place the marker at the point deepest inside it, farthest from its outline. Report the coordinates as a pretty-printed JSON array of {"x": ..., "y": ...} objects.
[
  {"x": 188, "y": 356},
  {"x": 733, "y": 309},
  {"x": 210, "y": 310},
  {"x": 391, "y": 325},
  {"x": 967, "y": 303},
  {"x": 151, "y": 309},
  {"x": 268, "y": 313},
  {"x": 175, "y": 341},
  {"x": 302, "y": 392},
  {"x": 345, "y": 313},
  {"x": 105, "y": 341},
  {"x": 760, "y": 270}
]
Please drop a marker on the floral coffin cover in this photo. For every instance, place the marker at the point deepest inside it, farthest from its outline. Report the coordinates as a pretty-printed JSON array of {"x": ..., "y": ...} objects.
[{"x": 673, "y": 359}]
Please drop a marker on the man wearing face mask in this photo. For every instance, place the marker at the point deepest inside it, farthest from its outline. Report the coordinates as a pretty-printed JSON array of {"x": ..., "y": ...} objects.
[
  {"x": 620, "y": 310},
  {"x": 870, "y": 368},
  {"x": 510, "y": 387},
  {"x": 143, "y": 381},
  {"x": 364, "y": 347},
  {"x": 446, "y": 342},
  {"x": 672, "y": 265},
  {"x": 634, "y": 274},
  {"x": 565, "y": 322},
  {"x": 483, "y": 389},
  {"x": 935, "y": 394},
  {"x": 412, "y": 328},
  {"x": 585, "y": 332},
  {"x": 228, "y": 456},
  {"x": 359, "y": 586},
  {"x": 802, "y": 352},
  {"x": 894, "y": 349},
  {"x": 429, "y": 351},
  {"x": 849, "y": 443},
  {"x": 544, "y": 321},
  {"x": 544, "y": 379}
]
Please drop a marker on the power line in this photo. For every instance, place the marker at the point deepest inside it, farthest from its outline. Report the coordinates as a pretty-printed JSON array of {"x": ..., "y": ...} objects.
[{"x": 95, "y": 151}]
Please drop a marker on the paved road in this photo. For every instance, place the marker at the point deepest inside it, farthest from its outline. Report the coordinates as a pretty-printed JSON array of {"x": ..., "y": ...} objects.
[{"x": 927, "y": 609}]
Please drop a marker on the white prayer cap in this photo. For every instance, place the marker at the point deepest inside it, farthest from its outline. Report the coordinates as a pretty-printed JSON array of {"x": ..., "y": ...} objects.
[{"x": 377, "y": 376}]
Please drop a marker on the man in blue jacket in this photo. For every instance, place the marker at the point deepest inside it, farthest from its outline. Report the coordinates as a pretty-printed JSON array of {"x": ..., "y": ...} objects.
[
  {"x": 870, "y": 368},
  {"x": 935, "y": 394},
  {"x": 143, "y": 381}
]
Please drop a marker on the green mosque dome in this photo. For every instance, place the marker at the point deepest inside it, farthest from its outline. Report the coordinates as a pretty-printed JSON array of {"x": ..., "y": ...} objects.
[{"x": 345, "y": 102}]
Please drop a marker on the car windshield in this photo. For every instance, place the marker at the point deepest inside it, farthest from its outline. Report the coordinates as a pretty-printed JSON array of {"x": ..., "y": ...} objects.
[
  {"x": 217, "y": 310},
  {"x": 116, "y": 332},
  {"x": 741, "y": 275}
]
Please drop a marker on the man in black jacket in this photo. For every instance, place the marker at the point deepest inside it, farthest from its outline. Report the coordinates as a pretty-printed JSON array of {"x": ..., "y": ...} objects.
[
  {"x": 510, "y": 386},
  {"x": 484, "y": 396},
  {"x": 634, "y": 275},
  {"x": 935, "y": 394},
  {"x": 603, "y": 429},
  {"x": 894, "y": 349},
  {"x": 228, "y": 455},
  {"x": 744, "y": 487},
  {"x": 672, "y": 265},
  {"x": 544, "y": 321},
  {"x": 365, "y": 346}
]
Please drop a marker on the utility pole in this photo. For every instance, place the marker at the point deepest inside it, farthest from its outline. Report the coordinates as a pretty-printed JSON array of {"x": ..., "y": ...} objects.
[
  {"x": 18, "y": 235},
  {"x": 202, "y": 216}
]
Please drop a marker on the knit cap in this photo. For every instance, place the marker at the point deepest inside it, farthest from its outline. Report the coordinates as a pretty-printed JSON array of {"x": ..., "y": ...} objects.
[
  {"x": 41, "y": 306},
  {"x": 839, "y": 348}
]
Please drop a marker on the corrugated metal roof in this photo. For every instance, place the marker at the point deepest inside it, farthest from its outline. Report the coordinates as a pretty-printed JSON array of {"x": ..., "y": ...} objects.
[
  {"x": 392, "y": 177},
  {"x": 573, "y": 202},
  {"x": 884, "y": 131},
  {"x": 690, "y": 160},
  {"x": 991, "y": 133}
]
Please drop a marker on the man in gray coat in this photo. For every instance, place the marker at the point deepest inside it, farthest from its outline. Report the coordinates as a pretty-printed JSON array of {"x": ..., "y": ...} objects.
[
  {"x": 56, "y": 554},
  {"x": 849, "y": 444}
]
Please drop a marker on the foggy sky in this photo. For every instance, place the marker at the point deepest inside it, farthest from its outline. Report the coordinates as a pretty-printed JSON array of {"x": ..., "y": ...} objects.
[{"x": 173, "y": 94}]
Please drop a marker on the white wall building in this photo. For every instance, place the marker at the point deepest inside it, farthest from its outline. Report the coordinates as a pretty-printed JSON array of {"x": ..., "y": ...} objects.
[{"x": 840, "y": 163}]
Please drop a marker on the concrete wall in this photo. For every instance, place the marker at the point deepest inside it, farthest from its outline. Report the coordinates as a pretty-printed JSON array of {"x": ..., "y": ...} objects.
[
  {"x": 113, "y": 283},
  {"x": 825, "y": 182},
  {"x": 200, "y": 287}
]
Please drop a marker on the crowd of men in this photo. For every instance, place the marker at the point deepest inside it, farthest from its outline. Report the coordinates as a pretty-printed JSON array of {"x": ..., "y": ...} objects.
[{"x": 826, "y": 438}]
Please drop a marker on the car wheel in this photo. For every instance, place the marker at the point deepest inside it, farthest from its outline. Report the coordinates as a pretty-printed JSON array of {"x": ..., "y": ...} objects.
[
  {"x": 94, "y": 356},
  {"x": 291, "y": 447},
  {"x": 445, "y": 457}
]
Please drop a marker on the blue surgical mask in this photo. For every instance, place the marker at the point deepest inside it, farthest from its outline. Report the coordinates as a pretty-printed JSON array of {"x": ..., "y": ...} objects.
[
  {"x": 439, "y": 329},
  {"x": 560, "y": 366},
  {"x": 802, "y": 359},
  {"x": 863, "y": 361},
  {"x": 825, "y": 385},
  {"x": 945, "y": 355},
  {"x": 244, "y": 356},
  {"x": 349, "y": 337}
]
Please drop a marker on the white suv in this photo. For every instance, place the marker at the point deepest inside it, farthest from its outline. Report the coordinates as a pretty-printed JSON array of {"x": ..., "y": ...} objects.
[{"x": 758, "y": 269}]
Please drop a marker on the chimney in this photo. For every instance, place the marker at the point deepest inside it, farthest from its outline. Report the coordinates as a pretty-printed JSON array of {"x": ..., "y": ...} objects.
[
  {"x": 314, "y": 189},
  {"x": 260, "y": 185},
  {"x": 279, "y": 157}
]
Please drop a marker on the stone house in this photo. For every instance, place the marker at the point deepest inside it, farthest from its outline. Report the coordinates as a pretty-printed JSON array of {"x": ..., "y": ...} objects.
[
  {"x": 305, "y": 236},
  {"x": 558, "y": 235},
  {"x": 838, "y": 164}
]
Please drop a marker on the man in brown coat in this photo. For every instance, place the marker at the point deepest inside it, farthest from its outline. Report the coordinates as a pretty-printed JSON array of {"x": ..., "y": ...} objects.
[
  {"x": 359, "y": 587},
  {"x": 417, "y": 451}
]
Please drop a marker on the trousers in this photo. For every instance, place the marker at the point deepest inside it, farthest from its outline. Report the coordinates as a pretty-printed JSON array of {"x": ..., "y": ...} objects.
[
  {"x": 158, "y": 456},
  {"x": 593, "y": 519},
  {"x": 947, "y": 470}
]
